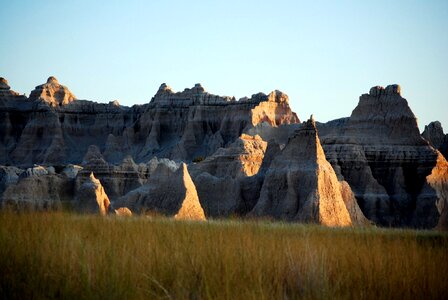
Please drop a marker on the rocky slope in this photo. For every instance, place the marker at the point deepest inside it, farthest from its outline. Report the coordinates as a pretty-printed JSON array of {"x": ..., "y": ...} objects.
[
  {"x": 380, "y": 153},
  {"x": 169, "y": 191},
  {"x": 301, "y": 185},
  {"x": 228, "y": 181}
]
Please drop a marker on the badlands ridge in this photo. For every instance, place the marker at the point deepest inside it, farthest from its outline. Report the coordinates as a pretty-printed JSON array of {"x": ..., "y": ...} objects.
[{"x": 195, "y": 155}]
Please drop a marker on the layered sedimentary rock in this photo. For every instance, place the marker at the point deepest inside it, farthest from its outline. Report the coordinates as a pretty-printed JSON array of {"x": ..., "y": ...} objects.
[
  {"x": 380, "y": 153},
  {"x": 169, "y": 191},
  {"x": 37, "y": 188},
  {"x": 52, "y": 93},
  {"x": 116, "y": 179},
  {"x": 433, "y": 133},
  {"x": 53, "y": 128},
  {"x": 227, "y": 181},
  {"x": 301, "y": 185},
  {"x": 91, "y": 197}
]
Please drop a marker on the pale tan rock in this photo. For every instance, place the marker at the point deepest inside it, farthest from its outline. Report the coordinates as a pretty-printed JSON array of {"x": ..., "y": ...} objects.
[
  {"x": 438, "y": 180},
  {"x": 223, "y": 180},
  {"x": 123, "y": 212},
  {"x": 191, "y": 208},
  {"x": 53, "y": 93},
  {"x": 275, "y": 111},
  {"x": 91, "y": 197},
  {"x": 242, "y": 158}
]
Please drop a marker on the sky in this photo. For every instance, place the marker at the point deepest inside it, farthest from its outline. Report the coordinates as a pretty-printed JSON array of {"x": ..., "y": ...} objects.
[{"x": 323, "y": 54}]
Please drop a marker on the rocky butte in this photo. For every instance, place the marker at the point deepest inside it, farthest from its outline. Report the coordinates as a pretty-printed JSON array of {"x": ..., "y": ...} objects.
[{"x": 196, "y": 155}]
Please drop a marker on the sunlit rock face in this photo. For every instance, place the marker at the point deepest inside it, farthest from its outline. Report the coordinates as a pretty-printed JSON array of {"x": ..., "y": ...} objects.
[
  {"x": 380, "y": 153},
  {"x": 52, "y": 128},
  {"x": 227, "y": 181},
  {"x": 300, "y": 184},
  {"x": 434, "y": 134},
  {"x": 91, "y": 197},
  {"x": 169, "y": 191},
  {"x": 52, "y": 93}
]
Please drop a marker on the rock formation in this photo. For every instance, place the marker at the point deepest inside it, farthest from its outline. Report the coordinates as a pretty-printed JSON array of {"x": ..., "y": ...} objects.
[
  {"x": 52, "y": 128},
  {"x": 380, "y": 153},
  {"x": 37, "y": 188},
  {"x": 169, "y": 191},
  {"x": 226, "y": 181},
  {"x": 123, "y": 212},
  {"x": 301, "y": 185},
  {"x": 433, "y": 133},
  {"x": 250, "y": 155},
  {"x": 91, "y": 197},
  {"x": 52, "y": 93}
]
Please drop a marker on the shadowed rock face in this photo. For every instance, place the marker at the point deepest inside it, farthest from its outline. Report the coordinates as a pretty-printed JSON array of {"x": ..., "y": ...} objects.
[
  {"x": 380, "y": 153},
  {"x": 227, "y": 181},
  {"x": 52, "y": 128},
  {"x": 433, "y": 133},
  {"x": 300, "y": 184},
  {"x": 35, "y": 189},
  {"x": 169, "y": 191}
]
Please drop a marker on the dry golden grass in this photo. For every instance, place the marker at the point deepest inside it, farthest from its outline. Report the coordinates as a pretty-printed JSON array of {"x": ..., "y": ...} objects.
[{"x": 59, "y": 255}]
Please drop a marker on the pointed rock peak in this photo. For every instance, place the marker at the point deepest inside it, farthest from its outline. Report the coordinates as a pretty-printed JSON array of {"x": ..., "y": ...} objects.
[
  {"x": 53, "y": 93},
  {"x": 190, "y": 208},
  {"x": 434, "y": 126},
  {"x": 198, "y": 88},
  {"x": 91, "y": 197},
  {"x": 52, "y": 80},
  {"x": 278, "y": 96},
  {"x": 311, "y": 120},
  {"x": 4, "y": 84},
  {"x": 165, "y": 88}
]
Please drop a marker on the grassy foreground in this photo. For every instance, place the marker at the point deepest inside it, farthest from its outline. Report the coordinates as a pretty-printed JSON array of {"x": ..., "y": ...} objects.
[{"x": 58, "y": 255}]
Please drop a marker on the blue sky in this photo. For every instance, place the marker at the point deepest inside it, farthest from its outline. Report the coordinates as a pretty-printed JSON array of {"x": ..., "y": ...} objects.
[{"x": 323, "y": 54}]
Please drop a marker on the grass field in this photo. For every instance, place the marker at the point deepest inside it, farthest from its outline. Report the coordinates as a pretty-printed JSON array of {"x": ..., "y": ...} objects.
[{"x": 60, "y": 255}]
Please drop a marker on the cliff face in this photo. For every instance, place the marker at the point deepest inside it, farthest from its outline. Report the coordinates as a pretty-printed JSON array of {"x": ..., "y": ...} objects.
[
  {"x": 246, "y": 156},
  {"x": 380, "y": 153},
  {"x": 53, "y": 128}
]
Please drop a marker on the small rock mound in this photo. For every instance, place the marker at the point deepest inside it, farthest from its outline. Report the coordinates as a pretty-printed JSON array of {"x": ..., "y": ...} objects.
[{"x": 123, "y": 212}]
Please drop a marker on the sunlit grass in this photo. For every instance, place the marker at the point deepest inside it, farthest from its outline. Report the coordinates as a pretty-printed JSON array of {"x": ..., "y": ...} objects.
[{"x": 59, "y": 255}]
